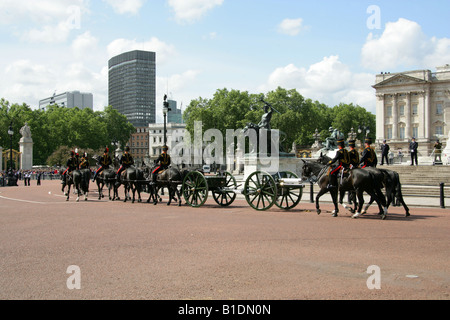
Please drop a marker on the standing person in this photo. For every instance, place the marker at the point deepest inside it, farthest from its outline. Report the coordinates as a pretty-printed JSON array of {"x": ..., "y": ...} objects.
[
  {"x": 369, "y": 157},
  {"x": 437, "y": 152},
  {"x": 413, "y": 149},
  {"x": 384, "y": 152},
  {"x": 38, "y": 177},
  {"x": 163, "y": 161},
  {"x": 105, "y": 162},
  {"x": 400, "y": 156},
  {"x": 126, "y": 160}
]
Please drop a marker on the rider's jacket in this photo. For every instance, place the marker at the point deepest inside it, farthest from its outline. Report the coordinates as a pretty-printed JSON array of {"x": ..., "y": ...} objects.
[
  {"x": 354, "y": 158},
  {"x": 126, "y": 160},
  {"x": 343, "y": 157},
  {"x": 369, "y": 157},
  {"x": 72, "y": 164},
  {"x": 84, "y": 164},
  {"x": 105, "y": 160},
  {"x": 164, "y": 160}
]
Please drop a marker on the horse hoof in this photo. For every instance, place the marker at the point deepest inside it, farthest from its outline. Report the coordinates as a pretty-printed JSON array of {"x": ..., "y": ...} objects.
[
  {"x": 356, "y": 215},
  {"x": 319, "y": 211},
  {"x": 407, "y": 214}
]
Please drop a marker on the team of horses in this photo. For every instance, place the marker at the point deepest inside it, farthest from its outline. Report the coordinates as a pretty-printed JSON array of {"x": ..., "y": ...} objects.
[
  {"x": 134, "y": 181},
  {"x": 356, "y": 182}
]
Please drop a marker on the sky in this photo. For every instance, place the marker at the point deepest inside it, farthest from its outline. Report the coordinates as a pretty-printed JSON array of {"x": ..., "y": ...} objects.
[{"x": 328, "y": 51}]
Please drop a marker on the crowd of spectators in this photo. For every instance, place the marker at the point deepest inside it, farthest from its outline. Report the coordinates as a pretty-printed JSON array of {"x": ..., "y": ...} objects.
[{"x": 17, "y": 176}]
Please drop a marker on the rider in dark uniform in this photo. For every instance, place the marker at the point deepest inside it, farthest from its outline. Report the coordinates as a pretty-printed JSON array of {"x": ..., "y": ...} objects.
[
  {"x": 105, "y": 162},
  {"x": 84, "y": 163},
  {"x": 163, "y": 162},
  {"x": 72, "y": 164},
  {"x": 126, "y": 160},
  {"x": 354, "y": 155},
  {"x": 369, "y": 157},
  {"x": 342, "y": 159}
]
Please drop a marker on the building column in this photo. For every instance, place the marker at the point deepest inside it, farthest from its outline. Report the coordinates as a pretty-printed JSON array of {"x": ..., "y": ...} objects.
[
  {"x": 408, "y": 115},
  {"x": 380, "y": 118},
  {"x": 427, "y": 114},
  {"x": 395, "y": 118}
]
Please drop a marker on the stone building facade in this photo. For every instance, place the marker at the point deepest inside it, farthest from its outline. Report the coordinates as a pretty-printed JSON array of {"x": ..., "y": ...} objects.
[{"x": 413, "y": 104}]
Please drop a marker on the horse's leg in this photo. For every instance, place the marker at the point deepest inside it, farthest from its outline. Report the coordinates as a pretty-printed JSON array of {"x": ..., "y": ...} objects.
[
  {"x": 321, "y": 193},
  {"x": 179, "y": 196},
  {"x": 334, "y": 197},
  {"x": 68, "y": 192},
  {"x": 359, "y": 194},
  {"x": 368, "y": 205},
  {"x": 350, "y": 200}
]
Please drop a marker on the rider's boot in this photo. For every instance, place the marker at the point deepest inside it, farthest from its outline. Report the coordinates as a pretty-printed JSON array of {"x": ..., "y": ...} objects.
[{"x": 332, "y": 182}]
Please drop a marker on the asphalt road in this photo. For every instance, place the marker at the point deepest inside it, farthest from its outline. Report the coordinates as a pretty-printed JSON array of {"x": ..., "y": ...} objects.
[{"x": 141, "y": 251}]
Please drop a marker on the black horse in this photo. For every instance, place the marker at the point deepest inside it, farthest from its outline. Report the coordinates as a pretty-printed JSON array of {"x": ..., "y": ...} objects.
[
  {"x": 169, "y": 179},
  {"x": 106, "y": 178},
  {"x": 72, "y": 178},
  {"x": 390, "y": 181},
  {"x": 82, "y": 183},
  {"x": 355, "y": 180},
  {"x": 131, "y": 179}
]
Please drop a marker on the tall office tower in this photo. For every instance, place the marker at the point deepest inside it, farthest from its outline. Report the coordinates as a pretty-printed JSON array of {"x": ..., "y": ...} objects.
[
  {"x": 132, "y": 86},
  {"x": 174, "y": 115}
]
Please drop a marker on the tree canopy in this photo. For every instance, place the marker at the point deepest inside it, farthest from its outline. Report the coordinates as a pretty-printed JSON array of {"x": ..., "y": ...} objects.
[
  {"x": 297, "y": 116},
  {"x": 58, "y": 126}
]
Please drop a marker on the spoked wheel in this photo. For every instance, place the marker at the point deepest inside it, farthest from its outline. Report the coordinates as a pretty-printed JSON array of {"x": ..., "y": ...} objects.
[
  {"x": 288, "y": 197},
  {"x": 195, "y": 189},
  {"x": 224, "y": 196},
  {"x": 260, "y": 191}
]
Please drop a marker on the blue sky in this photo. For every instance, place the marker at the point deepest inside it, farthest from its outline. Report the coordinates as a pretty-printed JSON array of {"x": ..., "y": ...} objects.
[{"x": 328, "y": 50}]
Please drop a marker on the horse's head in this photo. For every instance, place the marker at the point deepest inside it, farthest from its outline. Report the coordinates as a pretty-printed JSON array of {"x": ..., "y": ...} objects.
[{"x": 323, "y": 159}]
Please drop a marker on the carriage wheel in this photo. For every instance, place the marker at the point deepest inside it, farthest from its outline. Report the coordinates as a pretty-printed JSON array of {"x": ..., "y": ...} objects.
[
  {"x": 195, "y": 189},
  {"x": 260, "y": 191},
  {"x": 288, "y": 197},
  {"x": 226, "y": 197}
]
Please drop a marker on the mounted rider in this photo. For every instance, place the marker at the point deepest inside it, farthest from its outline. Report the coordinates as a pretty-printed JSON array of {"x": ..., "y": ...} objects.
[
  {"x": 126, "y": 161},
  {"x": 354, "y": 155},
  {"x": 72, "y": 164},
  {"x": 104, "y": 162},
  {"x": 343, "y": 160},
  {"x": 84, "y": 163},
  {"x": 163, "y": 162},
  {"x": 369, "y": 157}
]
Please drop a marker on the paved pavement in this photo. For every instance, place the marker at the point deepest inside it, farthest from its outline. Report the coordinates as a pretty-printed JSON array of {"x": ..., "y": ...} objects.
[{"x": 117, "y": 250}]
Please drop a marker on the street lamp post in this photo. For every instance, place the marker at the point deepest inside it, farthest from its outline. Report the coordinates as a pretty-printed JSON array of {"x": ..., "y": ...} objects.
[
  {"x": 365, "y": 129},
  {"x": 11, "y": 133},
  {"x": 166, "y": 109}
]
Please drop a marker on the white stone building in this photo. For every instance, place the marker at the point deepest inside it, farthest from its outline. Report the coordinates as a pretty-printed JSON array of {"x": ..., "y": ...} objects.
[{"x": 413, "y": 104}]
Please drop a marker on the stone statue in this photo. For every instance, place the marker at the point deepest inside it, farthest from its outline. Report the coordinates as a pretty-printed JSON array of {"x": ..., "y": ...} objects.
[
  {"x": 331, "y": 141},
  {"x": 266, "y": 117},
  {"x": 25, "y": 131}
]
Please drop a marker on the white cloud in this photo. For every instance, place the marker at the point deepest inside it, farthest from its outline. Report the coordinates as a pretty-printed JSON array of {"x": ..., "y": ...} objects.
[
  {"x": 290, "y": 27},
  {"x": 84, "y": 44},
  {"x": 329, "y": 81},
  {"x": 403, "y": 44},
  {"x": 162, "y": 49},
  {"x": 126, "y": 6},
  {"x": 44, "y": 21},
  {"x": 188, "y": 11}
]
